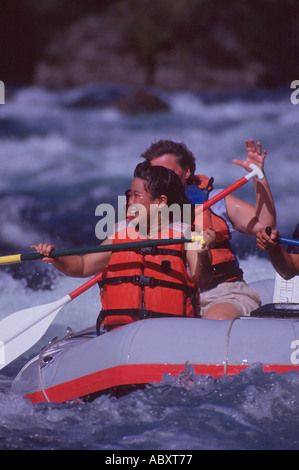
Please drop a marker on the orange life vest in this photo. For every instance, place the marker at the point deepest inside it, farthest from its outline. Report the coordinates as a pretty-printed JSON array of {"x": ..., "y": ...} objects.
[
  {"x": 225, "y": 264},
  {"x": 144, "y": 283}
]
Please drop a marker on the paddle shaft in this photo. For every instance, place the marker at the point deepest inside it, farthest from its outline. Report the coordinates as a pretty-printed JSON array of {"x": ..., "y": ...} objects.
[
  {"x": 288, "y": 241},
  {"x": 87, "y": 285},
  {"x": 233, "y": 187},
  {"x": 93, "y": 249}
]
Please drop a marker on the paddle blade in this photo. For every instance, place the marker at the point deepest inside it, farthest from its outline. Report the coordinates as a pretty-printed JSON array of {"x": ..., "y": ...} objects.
[{"x": 21, "y": 330}]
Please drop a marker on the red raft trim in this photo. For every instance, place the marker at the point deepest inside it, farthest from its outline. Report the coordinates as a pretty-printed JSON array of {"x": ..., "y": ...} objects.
[{"x": 135, "y": 374}]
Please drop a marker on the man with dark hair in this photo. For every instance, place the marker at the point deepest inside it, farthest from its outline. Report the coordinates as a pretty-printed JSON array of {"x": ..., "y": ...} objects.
[
  {"x": 228, "y": 296},
  {"x": 183, "y": 164}
]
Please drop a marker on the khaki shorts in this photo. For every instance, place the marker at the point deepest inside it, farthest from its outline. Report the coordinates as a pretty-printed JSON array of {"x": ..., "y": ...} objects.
[{"x": 238, "y": 293}]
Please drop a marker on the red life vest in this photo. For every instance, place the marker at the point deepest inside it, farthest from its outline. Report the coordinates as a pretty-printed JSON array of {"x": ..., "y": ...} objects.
[
  {"x": 225, "y": 264},
  {"x": 144, "y": 283}
]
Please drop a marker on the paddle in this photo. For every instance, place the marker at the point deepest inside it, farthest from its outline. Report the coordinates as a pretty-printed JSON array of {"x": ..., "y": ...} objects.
[
  {"x": 288, "y": 241},
  {"x": 21, "y": 330},
  {"x": 101, "y": 248},
  {"x": 283, "y": 240},
  {"x": 256, "y": 171}
]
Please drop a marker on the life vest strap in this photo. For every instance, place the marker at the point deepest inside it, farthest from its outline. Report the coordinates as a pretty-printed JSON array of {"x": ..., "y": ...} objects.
[
  {"x": 155, "y": 250},
  {"x": 226, "y": 272},
  {"x": 144, "y": 281},
  {"x": 225, "y": 244}
]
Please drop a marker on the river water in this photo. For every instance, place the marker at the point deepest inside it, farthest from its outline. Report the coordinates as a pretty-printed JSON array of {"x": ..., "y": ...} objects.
[{"x": 58, "y": 162}]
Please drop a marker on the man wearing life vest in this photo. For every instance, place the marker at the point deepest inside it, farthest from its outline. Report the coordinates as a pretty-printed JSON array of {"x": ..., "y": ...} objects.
[
  {"x": 228, "y": 296},
  {"x": 146, "y": 283}
]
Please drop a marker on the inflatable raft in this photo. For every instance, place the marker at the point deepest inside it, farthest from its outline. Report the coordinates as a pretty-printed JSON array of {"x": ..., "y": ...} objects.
[{"x": 84, "y": 365}]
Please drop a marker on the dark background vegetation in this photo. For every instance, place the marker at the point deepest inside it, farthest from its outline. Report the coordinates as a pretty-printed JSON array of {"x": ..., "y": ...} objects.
[{"x": 220, "y": 34}]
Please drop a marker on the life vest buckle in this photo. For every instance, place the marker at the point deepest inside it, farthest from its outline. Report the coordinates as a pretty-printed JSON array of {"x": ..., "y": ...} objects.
[
  {"x": 144, "y": 281},
  {"x": 144, "y": 314},
  {"x": 135, "y": 279},
  {"x": 150, "y": 250}
]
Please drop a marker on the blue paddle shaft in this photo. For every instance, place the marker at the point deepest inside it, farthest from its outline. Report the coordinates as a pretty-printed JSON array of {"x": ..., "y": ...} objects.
[
  {"x": 288, "y": 241},
  {"x": 283, "y": 240}
]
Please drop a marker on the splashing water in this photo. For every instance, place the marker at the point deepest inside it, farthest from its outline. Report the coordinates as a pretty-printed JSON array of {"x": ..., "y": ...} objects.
[{"x": 58, "y": 164}]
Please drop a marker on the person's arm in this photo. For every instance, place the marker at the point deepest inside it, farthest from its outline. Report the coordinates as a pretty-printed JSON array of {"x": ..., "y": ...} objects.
[
  {"x": 245, "y": 217},
  {"x": 75, "y": 266},
  {"x": 199, "y": 259},
  {"x": 286, "y": 264}
]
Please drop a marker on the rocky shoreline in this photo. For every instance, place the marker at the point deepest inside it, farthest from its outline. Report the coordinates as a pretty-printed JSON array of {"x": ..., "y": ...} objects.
[{"x": 90, "y": 52}]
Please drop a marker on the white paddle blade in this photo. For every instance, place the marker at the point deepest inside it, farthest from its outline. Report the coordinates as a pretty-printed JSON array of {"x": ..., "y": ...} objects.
[{"x": 21, "y": 330}]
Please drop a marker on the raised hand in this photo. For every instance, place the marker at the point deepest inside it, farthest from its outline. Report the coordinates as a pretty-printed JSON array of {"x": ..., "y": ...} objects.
[{"x": 254, "y": 155}]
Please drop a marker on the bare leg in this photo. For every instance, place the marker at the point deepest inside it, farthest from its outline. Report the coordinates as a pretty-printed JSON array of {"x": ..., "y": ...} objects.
[{"x": 222, "y": 311}]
